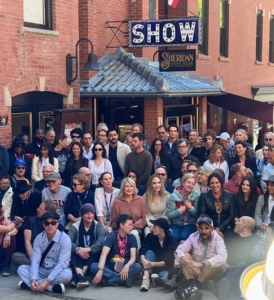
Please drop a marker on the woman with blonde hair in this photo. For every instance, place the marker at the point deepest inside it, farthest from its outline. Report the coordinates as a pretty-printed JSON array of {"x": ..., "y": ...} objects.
[
  {"x": 128, "y": 202},
  {"x": 216, "y": 160},
  {"x": 202, "y": 178},
  {"x": 182, "y": 209},
  {"x": 156, "y": 201}
]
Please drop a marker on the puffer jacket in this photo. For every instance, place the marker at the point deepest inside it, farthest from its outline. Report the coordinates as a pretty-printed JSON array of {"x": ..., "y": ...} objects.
[
  {"x": 174, "y": 213},
  {"x": 207, "y": 206}
]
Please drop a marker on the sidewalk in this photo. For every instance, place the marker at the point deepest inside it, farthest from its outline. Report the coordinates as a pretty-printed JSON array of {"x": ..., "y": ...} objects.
[{"x": 10, "y": 291}]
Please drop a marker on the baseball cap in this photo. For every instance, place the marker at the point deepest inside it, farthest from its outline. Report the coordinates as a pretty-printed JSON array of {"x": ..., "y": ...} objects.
[
  {"x": 224, "y": 136},
  {"x": 51, "y": 215},
  {"x": 161, "y": 222},
  {"x": 19, "y": 162},
  {"x": 206, "y": 220},
  {"x": 53, "y": 176}
]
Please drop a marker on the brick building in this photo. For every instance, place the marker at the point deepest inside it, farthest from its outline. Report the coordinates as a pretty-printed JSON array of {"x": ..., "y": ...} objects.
[
  {"x": 33, "y": 69},
  {"x": 229, "y": 55},
  {"x": 35, "y": 40}
]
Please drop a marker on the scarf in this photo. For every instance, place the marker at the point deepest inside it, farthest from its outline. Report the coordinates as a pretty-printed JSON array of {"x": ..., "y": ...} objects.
[{"x": 86, "y": 238}]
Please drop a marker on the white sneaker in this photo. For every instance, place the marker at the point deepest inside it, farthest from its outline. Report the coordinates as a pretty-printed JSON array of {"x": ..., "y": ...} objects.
[{"x": 145, "y": 284}]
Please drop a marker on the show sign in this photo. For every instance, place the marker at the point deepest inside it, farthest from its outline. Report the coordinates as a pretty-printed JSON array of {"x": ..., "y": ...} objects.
[{"x": 174, "y": 32}]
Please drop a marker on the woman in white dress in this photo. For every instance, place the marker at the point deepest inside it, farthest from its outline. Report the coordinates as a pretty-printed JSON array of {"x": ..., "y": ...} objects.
[
  {"x": 216, "y": 160},
  {"x": 104, "y": 198},
  {"x": 99, "y": 164}
]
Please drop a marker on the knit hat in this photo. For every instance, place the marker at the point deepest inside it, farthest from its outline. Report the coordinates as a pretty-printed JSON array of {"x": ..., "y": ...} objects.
[{"x": 87, "y": 208}]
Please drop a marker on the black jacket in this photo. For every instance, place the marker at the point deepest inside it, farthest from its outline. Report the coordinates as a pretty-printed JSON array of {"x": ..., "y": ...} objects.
[
  {"x": 73, "y": 205},
  {"x": 176, "y": 165},
  {"x": 40, "y": 185},
  {"x": 206, "y": 205},
  {"x": 33, "y": 202},
  {"x": 165, "y": 253},
  {"x": 245, "y": 209},
  {"x": 169, "y": 187},
  {"x": 70, "y": 171},
  {"x": 33, "y": 148},
  {"x": 201, "y": 153}
]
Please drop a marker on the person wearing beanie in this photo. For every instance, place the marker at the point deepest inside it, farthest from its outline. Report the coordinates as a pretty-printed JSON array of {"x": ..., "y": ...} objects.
[
  {"x": 157, "y": 252},
  {"x": 87, "y": 238}
]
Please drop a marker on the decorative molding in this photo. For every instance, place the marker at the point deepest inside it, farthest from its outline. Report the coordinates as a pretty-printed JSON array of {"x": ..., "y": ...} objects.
[
  {"x": 271, "y": 64},
  {"x": 224, "y": 59},
  {"x": 259, "y": 63},
  {"x": 29, "y": 30},
  {"x": 67, "y": 100},
  {"x": 7, "y": 97},
  {"x": 203, "y": 57},
  {"x": 42, "y": 84}
]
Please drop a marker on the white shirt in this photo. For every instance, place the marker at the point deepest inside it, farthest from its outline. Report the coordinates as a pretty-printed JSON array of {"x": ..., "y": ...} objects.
[
  {"x": 218, "y": 165},
  {"x": 88, "y": 154}
]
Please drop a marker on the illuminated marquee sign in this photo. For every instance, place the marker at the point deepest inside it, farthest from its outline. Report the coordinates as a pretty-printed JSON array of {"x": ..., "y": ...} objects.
[{"x": 165, "y": 32}]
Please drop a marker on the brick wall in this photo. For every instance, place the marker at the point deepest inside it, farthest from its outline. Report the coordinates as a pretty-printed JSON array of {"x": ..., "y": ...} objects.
[
  {"x": 26, "y": 57},
  {"x": 153, "y": 110}
]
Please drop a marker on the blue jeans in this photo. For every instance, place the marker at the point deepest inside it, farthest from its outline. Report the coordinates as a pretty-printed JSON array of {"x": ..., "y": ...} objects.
[
  {"x": 114, "y": 277},
  {"x": 150, "y": 256},
  {"x": 182, "y": 233}
]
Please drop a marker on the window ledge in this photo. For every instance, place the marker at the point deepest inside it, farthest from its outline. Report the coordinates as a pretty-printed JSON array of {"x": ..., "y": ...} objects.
[
  {"x": 271, "y": 64},
  {"x": 203, "y": 57},
  {"x": 260, "y": 63},
  {"x": 224, "y": 59},
  {"x": 29, "y": 30}
]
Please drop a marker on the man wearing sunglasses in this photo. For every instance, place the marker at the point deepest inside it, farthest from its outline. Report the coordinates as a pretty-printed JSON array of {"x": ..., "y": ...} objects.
[
  {"x": 268, "y": 140},
  {"x": 50, "y": 259},
  {"x": 19, "y": 172},
  {"x": 76, "y": 135},
  {"x": 57, "y": 193}
]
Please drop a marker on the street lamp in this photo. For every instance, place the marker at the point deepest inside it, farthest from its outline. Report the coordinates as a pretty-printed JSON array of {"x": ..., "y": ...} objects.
[{"x": 91, "y": 64}]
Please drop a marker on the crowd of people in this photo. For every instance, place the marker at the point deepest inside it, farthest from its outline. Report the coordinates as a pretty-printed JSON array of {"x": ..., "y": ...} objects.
[{"x": 184, "y": 213}]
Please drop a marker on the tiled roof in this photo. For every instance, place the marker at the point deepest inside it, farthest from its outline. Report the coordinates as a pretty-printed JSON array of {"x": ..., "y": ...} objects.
[{"x": 123, "y": 74}]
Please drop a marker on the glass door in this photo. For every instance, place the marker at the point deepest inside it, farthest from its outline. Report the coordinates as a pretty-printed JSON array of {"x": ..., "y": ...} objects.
[{"x": 22, "y": 123}]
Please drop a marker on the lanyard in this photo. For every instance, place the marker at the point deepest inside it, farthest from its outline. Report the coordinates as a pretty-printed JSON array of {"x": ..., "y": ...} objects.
[
  {"x": 87, "y": 239},
  {"x": 105, "y": 196},
  {"x": 219, "y": 165},
  {"x": 84, "y": 197},
  {"x": 122, "y": 245}
]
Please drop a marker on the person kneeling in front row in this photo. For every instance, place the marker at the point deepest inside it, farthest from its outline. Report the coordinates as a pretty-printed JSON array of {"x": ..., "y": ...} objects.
[
  {"x": 117, "y": 265},
  {"x": 157, "y": 252},
  {"x": 49, "y": 260}
]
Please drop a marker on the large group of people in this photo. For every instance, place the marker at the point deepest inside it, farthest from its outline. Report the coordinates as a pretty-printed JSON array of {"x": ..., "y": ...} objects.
[{"x": 185, "y": 214}]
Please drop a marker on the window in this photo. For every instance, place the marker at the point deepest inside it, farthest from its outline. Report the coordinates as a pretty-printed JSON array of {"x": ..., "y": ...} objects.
[
  {"x": 271, "y": 40},
  {"x": 203, "y": 13},
  {"x": 259, "y": 35},
  {"x": 152, "y": 9},
  {"x": 224, "y": 28},
  {"x": 38, "y": 14}
]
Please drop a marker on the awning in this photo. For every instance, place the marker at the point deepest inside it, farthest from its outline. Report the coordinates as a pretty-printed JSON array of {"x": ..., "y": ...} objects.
[{"x": 244, "y": 106}]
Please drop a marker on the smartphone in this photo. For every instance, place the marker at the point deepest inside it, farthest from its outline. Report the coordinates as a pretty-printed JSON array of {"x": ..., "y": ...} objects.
[{"x": 205, "y": 140}]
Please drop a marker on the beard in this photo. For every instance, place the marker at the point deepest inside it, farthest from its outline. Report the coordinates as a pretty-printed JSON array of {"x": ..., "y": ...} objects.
[
  {"x": 39, "y": 139},
  {"x": 113, "y": 141}
]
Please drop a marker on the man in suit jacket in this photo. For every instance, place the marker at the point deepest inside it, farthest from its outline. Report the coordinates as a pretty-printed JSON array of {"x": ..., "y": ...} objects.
[{"x": 116, "y": 153}]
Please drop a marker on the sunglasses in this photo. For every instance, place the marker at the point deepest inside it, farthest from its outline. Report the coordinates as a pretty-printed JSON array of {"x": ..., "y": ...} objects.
[
  {"x": 270, "y": 140},
  {"x": 161, "y": 174},
  {"x": 98, "y": 149},
  {"x": 20, "y": 168},
  {"x": 75, "y": 137},
  {"x": 75, "y": 184},
  {"x": 47, "y": 223},
  {"x": 19, "y": 146},
  {"x": 192, "y": 171}
]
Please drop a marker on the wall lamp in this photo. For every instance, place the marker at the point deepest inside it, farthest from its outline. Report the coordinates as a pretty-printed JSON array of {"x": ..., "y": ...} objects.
[{"x": 91, "y": 64}]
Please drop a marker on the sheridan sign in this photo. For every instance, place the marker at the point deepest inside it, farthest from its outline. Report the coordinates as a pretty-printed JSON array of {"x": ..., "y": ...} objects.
[
  {"x": 177, "y": 60},
  {"x": 175, "y": 32}
]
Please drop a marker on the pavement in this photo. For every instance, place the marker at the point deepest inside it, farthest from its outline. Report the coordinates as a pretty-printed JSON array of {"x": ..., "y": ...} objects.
[{"x": 10, "y": 291}]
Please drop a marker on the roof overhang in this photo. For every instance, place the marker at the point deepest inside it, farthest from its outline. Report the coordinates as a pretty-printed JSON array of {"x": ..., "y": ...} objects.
[{"x": 263, "y": 93}]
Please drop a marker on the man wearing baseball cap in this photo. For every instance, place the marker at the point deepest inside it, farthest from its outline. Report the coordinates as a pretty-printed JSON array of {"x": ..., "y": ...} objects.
[
  {"x": 57, "y": 193},
  {"x": 87, "y": 238},
  {"x": 50, "y": 259},
  {"x": 157, "y": 251},
  {"x": 208, "y": 261},
  {"x": 224, "y": 140}
]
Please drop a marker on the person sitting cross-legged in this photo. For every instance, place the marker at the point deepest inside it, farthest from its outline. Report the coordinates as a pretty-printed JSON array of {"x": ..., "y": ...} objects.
[
  {"x": 87, "y": 238},
  {"x": 157, "y": 251},
  {"x": 207, "y": 261},
  {"x": 117, "y": 264},
  {"x": 49, "y": 260}
]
